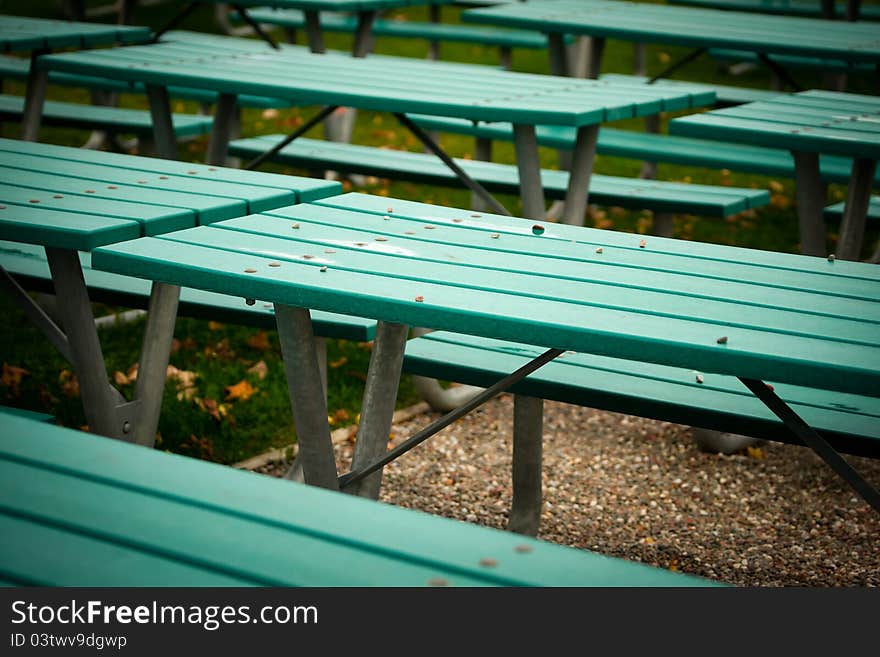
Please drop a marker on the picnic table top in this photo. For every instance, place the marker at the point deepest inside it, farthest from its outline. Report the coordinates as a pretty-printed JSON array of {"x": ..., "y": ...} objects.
[
  {"x": 818, "y": 121},
  {"x": 128, "y": 516},
  {"x": 336, "y": 5},
  {"x": 810, "y": 8},
  {"x": 786, "y": 318},
  {"x": 690, "y": 26},
  {"x": 79, "y": 199},
  {"x": 382, "y": 83},
  {"x": 19, "y": 33}
]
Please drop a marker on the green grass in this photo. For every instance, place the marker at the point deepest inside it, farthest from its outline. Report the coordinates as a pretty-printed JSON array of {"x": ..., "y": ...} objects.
[{"x": 204, "y": 420}]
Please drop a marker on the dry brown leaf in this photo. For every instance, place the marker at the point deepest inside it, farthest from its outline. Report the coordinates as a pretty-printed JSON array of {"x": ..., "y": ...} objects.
[
  {"x": 241, "y": 391},
  {"x": 69, "y": 384},
  {"x": 260, "y": 369},
  {"x": 215, "y": 326},
  {"x": 12, "y": 376},
  {"x": 341, "y": 415},
  {"x": 120, "y": 379},
  {"x": 335, "y": 364},
  {"x": 259, "y": 340}
]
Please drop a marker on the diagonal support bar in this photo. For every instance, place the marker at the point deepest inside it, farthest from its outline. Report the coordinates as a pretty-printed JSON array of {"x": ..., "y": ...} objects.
[
  {"x": 36, "y": 314},
  {"x": 813, "y": 440},
  {"x": 170, "y": 25},
  {"x": 350, "y": 478},
  {"x": 255, "y": 26},
  {"x": 687, "y": 59},
  {"x": 435, "y": 148},
  {"x": 299, "y": 132},
  {"x": 784, "y": 75}
]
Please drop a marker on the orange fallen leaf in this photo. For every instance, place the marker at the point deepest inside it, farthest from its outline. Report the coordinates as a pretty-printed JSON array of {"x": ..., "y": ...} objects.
[
  {"x": 260, "y": 369},
  {"x": 259, "y": 340},
  {"x": 12, "y": 376},
  {"x": 339, "y": 362},
  {"x": 241, "y": 391},
  {"x": 69, "y": 384},
  {"x": 120, "y": 378},
  {"x": 215, "y": 326}
]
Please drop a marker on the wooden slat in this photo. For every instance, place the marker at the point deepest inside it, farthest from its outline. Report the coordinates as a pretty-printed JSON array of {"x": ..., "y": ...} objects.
[
  {"x": 669, "y": 394},
  {"x": 644, "y": 22},
  {"x": 267, "y": 190},
  {"x": 28, "y": 263},
  {"x": 242, "y": 524},
  {"x": 616, "y": 325},
  {"x": 385, "y": 84},
  {"x": 660, "y": 196}
]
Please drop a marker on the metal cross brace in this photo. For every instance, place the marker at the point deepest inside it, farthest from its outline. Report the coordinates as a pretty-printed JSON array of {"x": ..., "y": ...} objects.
[
  {"x": 813, "y": 440},
  {"x": 299, "y": 132},
  {"x": 352, "y": 477}
]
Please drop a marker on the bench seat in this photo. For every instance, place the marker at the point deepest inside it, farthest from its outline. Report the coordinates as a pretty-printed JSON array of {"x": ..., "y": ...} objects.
[
  {"x": 451, "y": 32},
  {"x": 660, "y": 196},
  {"x": 835, "y": 212},
  {"x": 23, "y": 412},
  {"x": 652, "y": 147},
  {"x": 851, "y": 423},
  {"x": 100, "y": 117},
  {"x": 27, "y": 263},
  {"x": 794, "y": 61},
  {"x": 81, "y": 510}
]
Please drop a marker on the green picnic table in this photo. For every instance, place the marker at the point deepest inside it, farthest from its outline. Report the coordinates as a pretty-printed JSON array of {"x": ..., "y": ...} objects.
[
  {"x": 70, "y": 200},
  {"x": 397, "y": 85},
  {"x": 808, "y": 124},
  {"x": 698, "y": 28},
  {"x": 754, "y": 315},
  {"x": 851, "y": 10}
]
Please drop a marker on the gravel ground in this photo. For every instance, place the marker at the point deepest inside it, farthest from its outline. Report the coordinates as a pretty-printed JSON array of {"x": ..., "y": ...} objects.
[{"x": 772, "y": 515}]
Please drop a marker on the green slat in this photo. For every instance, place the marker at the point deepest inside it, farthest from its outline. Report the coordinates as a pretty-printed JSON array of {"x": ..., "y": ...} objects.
[
  {"x": 545, "y": 322},
  {"x": 23, "y": 33},
  {"x": 23, "y": 412},
  {"x": 811, "y": 8},
  {"x": 324, "y": 539},
  {"x": 77, "y": 115},
  {"x": 852, "y": 422},
  {"x": 792, "y": 61},
  {"x": 28, "y": 262},
  {"x": 656, "y": 148},
  {"x": 38, "y": 554},
  {"x": 824, "y": 140},
  {"x": 66, "y": 230},
  {"x": 207, "y": 209},
  {"x": 724, "y": 93},
  {"x": 410, "y": 260},
  {"x": 372, "y": 83},
  {"x": 152, "y": 219},
  {"x": 402, "y": 29},
  {"x": 643, "y": 22},
  {"x": 284, "y": 189},
  {"x": 787, "y": 271},
  {"x": 423, "y": 167},
  {"x": 835, "y": 212}
]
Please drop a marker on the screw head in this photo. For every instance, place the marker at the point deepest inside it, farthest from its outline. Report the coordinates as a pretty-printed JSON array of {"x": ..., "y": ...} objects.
[
  {"x": 537, "y": 229},
  {"x": 250, "y": 302},
  {"x": 126, "y": 427}
]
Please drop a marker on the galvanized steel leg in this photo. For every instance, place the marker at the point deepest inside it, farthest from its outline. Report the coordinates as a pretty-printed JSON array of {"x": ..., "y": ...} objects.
[
  {"x": 363, "y": 35},
  {"x": 662, "y": 225},
  {"x": 652, "y": 126},
  {"x": 306, "y": 395},
  {"x": 483, "y": 153},
  {"x": 597, "y": 49},
  {"x": 852, "y": 228},
  {"x": 295, "y": 471},
  {"x": 558, "y": 53},
  {"x": 528, "y": 426},
  {"x": 434, "y": 46},
  {"x": 163, "y": 128},
  {"x": 313, "y": 31},
  {"x": 578, "y": 57},
  {"x": 810, "y": 193},
  {"x": 377, "y": 408},
  {"x": 155, "y": 353},
  {"x": 36, "y": 314},
  {"x": 640, "y": 54},
  {"x": 35, "y": 96},
  {"x": 505, "y": 57},
  {"x": 224, "y": 123},
  {"x": 85, "y": 348},
  {"x": 581, "y": 172},
  {"x": 529, "y": 167}
]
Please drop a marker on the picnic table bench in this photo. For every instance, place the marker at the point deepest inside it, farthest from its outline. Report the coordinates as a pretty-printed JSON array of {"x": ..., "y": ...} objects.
[
  {"x": 807, "y": 8},
  {"x": 67, "y": 201},
  {"x": 79, "y": 510},
  {"x": 710, "y": 310}
]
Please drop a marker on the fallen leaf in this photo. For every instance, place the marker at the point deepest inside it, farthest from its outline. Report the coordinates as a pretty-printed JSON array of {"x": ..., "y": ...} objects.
[
  {"x": 69, "y": 384},
  {"x": 241, "y": 391},
  {"x": 215, "y": 326},
  {"x": 341, "y": 415},
  {"x": 339, "y": 362},
  {"x": 12, "y": 376},
  {"x": 270, "y": 113},
  {"x": 132, "y": 373},
  {"x": 260, "y": 369},
  {"x": 756, "y": 453},
  {"x": 259, "y": 340},
  {"x": 120, "y": 378},
  {"x": 212, "y": 408}
]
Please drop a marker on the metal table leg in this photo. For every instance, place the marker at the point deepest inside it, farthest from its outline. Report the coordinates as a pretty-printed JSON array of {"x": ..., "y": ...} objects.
[
  {"x": 225, "y": 117},
  {"x": 306, "y": 395},
  {"x": 810, "y": 192},
  {"x": 35, "y": 97},
  {"x": 529, "y": 166},
  {"x": 528, "y": 423},
  {"x": 377, "y": 408},
  {"x": 163, "y": 128},
  {"x": 579, "y": 177},
  {"x": 852, "y": 228}
]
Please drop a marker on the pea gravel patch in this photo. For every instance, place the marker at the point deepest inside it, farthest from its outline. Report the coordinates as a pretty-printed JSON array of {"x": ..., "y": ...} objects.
[{"x": 771, "y": 515}]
